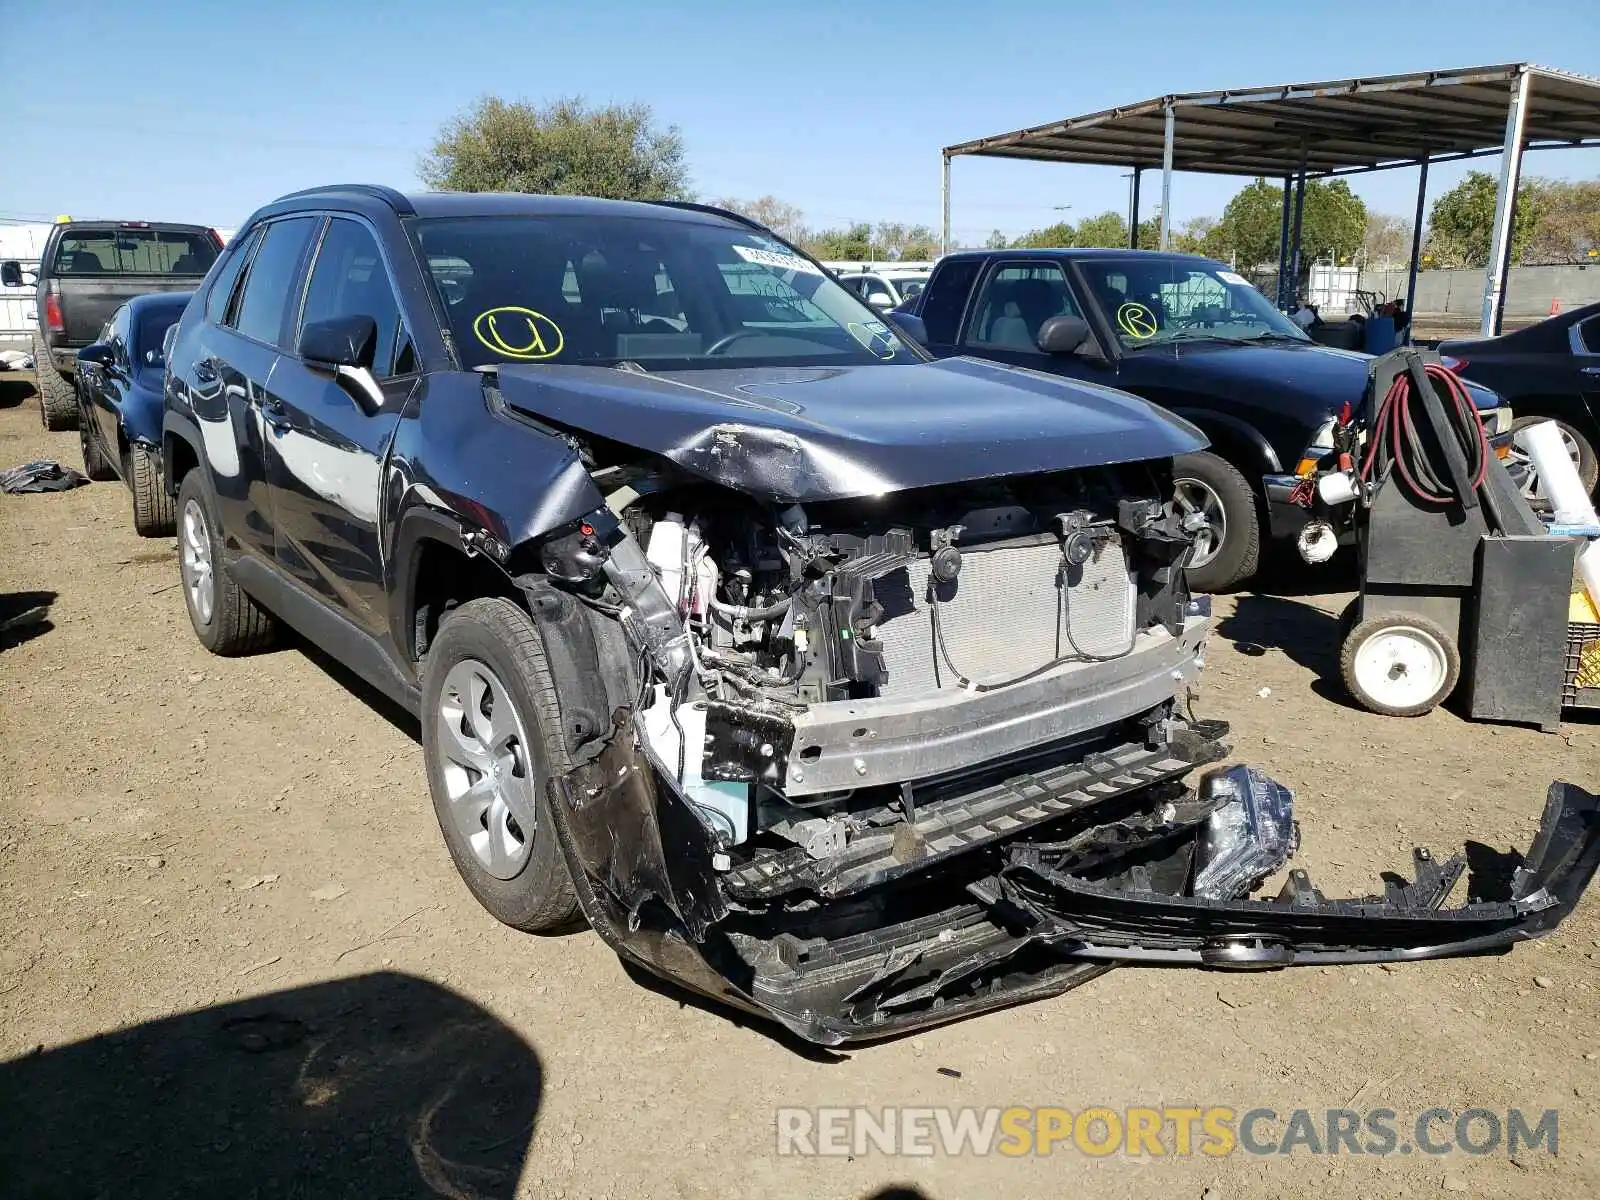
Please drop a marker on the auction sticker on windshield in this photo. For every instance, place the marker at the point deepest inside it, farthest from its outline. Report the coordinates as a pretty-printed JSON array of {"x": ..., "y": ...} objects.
[
  {"x": 776, "y": 260},
  {"x": 1233, "y": 277}
]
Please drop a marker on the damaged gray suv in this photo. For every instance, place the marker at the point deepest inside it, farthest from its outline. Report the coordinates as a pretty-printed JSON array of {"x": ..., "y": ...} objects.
[{"x": 842, "y": 685}]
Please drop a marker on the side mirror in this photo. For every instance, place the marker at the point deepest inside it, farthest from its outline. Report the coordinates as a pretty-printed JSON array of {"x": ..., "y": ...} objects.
[
  {"x": 880, "y": 300},
  {"x": 347, "y": 347},
  {"x": 340, "y": 342},
  {"x": 11, "y": 273},
  {"x": 1063, "y": 334},
  {"x": 100, "y": 354},
  {"x": 910, "y": 325}
]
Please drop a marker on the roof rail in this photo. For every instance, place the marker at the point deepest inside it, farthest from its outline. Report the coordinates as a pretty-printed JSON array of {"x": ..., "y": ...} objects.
[
  {"x": 691, "y": 206},
  {"x": 376, "y": 191}
]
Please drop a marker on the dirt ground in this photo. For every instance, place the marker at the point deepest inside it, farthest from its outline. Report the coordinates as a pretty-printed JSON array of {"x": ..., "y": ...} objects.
[{"x": 235, "y": 959}]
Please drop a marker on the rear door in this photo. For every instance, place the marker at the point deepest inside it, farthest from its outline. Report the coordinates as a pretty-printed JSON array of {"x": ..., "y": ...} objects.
[
  {"x": 944, "y": 302},
  {"x": 246, "y": 326},
  {"x": 329, "y": 442}
]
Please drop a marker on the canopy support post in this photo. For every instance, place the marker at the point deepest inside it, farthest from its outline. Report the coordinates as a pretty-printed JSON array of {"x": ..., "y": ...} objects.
[
  {"x": 1285, "y": 300},
  {"x": 1133, "y": 211},
  {"x": 1166, "y": 178},
  {"x": 944, "y": 203},
  {"x": 1299, "y": 214},
  {"x": 1505, "y": 207},
  {"x": 1416, "y": 241}
]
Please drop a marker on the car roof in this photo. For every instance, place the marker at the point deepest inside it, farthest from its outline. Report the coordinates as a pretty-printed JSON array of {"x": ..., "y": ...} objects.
[
  {"x": 160, "y": 300},
  {"x": 366, "y": 198},
  {"x": 1086, "y": 252}
]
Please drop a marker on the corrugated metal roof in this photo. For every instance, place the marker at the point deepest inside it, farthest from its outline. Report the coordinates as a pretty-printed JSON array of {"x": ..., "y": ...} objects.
[{"x": 1338, "y": 127}]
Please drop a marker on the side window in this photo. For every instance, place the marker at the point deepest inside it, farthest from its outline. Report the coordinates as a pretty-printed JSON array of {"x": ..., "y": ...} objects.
[
  {"x": 1015, "y": 301},
  {"x": 227, "y": 281},
  {"x": 349, "y": 280},
  {"x": 1589, "y": 335},
  {"x": 269, "y": 290},
  {"x": 118, "y": 329},
  {"x": 941, "y": 307}
]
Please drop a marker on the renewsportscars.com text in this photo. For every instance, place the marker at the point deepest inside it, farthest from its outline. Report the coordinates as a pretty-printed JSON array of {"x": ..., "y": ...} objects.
[{"x": 1169, "y": 1130}]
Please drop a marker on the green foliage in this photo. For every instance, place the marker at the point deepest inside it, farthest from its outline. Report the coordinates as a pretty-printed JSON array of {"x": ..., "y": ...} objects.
[
  {"x": 996, "y": 241},
  {"x": 1554, "y": 221},
  {"x": 1333, "y": 223},
  {"x": 853, "y": 241},
  {"x": 1059, "y": 234},
  {"x": 562, "y": 148}
]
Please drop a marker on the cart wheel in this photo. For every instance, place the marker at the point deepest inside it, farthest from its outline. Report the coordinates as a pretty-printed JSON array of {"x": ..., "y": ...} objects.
[{"x": 1399, "y": 664}]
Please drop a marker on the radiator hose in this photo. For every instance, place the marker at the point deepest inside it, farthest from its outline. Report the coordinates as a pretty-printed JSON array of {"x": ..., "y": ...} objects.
[{"x": 1395, "y": 438}]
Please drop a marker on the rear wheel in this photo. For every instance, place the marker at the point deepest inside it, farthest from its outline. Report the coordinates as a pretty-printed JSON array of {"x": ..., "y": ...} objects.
[
  {"x": 225, "y": 619},
  {"x": 1227, "y": 545},
  {"x": 58, "y": 404},
  {"x": 1399, "y": 664},
  {"x": 154, "y": 514},
  {"x": 488, "y": 704}
]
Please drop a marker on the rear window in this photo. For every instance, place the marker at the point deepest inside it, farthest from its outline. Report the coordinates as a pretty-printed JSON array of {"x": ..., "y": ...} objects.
[{"x": 134, "y": 252}]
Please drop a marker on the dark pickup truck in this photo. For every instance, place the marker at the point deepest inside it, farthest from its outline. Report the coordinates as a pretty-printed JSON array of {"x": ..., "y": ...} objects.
[
  {"x": 1188, "y": 334},
  {"x": 87, "y": 271}
]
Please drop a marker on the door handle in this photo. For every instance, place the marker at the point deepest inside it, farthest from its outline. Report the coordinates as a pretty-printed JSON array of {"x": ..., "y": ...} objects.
[
  {"x": 206, "y": 370},
  {"x": 275, "y": 415},
  {"x": 1591, "y": 370}
]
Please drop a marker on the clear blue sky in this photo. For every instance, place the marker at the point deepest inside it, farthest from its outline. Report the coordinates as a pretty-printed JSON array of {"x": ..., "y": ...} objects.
[{"x": 202, "y": 111}]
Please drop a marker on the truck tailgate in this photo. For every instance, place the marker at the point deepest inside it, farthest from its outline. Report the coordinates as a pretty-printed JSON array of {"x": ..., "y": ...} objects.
[{"x": 87, "y": 303}]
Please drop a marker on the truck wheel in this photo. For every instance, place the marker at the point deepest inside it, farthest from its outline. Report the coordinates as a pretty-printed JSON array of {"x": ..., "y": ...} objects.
[
  {"x": 1399, "y": 664},
  {"x": 95, "y": 464},
  {"x": 488, "y": 700},
  {"x": 153, "y": 512},
  {"x": 58, "y": 403},
  {"x": 1226, "y": 551},
  {"x": 225, "y": 619}
]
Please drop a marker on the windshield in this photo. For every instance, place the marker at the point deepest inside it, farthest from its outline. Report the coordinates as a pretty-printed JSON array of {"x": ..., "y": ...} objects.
[
  {"x": 667, "y": 294},
  {"x": 1157, "y": 301},
  {"x": 134, "y": 252}
]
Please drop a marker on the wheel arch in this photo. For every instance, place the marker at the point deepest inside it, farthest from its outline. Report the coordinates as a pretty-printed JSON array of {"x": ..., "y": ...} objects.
[{"x": 1237, "y": 441}]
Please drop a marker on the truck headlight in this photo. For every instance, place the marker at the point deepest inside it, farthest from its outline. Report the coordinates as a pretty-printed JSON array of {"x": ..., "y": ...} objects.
[{"x": 1321, "y": 446}]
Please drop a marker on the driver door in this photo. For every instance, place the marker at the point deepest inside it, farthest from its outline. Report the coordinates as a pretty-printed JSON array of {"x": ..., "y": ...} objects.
[{"x": 1013, "y": 301}]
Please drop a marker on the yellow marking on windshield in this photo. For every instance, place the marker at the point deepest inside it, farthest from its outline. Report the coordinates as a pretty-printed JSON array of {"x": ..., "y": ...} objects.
[
  {"x": 544, "y": 335},
  {"x": 1136, "y": 320}
]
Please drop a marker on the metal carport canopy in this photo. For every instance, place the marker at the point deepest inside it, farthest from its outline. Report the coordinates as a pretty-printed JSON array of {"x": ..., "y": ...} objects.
[{"x": 1339, "y": 127}]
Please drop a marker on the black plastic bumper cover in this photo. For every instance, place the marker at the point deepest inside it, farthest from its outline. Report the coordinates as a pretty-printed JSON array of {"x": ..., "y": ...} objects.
[{"x": 1015, "y": 928}]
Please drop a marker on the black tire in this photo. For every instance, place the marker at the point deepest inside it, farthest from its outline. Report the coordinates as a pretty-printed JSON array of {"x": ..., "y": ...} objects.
[
  {"x": 95, "y": 464},
  {"x": 236, "y": 624},
  {"x": 1588, "y": 462},
  {"x": 58, "y": 402},
  {"x": 493, "y": 632},
  {"x": 154, "y": 514},
  {"x": 1419, "y": 630},
  {"x": 1235, "y": 560}
]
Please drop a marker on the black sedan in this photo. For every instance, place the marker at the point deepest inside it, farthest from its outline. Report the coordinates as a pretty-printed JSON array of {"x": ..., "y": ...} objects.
[
  {"x": 119, "y": 382},
  {"x": 1548, "y": 371}
]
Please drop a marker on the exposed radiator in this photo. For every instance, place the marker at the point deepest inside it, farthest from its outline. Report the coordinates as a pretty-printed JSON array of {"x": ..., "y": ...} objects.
[{"x": 1001, "y": 615}]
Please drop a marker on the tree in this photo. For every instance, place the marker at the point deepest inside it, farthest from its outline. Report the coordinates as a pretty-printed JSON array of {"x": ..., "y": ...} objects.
[
  {"x": 785, "y": 220},
  {"x": 1333, "y": 222},
  {"x": 1566, "y": 222},
  {"x": 1387, "y": 237},
  {"x": 995, "y": 241},
  {"x": 851, "y": 242},
  {"x": 1461, "y": 222},
  {"x": 1109, "y": 229},
  {"x": 564, "y": 148},
  {"x": 913, "y": 243},
  {"x": 1059, "y": 234},
  {"x": 1190, "y": 237}
]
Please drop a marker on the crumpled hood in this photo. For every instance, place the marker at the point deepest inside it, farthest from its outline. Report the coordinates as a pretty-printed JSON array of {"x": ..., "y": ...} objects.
[
  {"x": 1322, "y": 375},
  {"x": 821, "y": 433}
]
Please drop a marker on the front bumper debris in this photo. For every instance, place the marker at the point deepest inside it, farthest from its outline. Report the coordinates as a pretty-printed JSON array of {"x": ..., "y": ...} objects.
[{"x": 897, "y": 929}]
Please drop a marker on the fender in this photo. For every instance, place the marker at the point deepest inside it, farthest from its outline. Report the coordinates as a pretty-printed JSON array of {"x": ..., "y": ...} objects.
[
  {"x": 1238, "y": 431},
  {"x": 179, "y": 427}
]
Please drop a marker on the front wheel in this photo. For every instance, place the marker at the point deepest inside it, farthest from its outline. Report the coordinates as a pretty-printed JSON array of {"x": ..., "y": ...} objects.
[
  {"x": 1227, "y": 545},
  {"x": 489, "y": 705}
]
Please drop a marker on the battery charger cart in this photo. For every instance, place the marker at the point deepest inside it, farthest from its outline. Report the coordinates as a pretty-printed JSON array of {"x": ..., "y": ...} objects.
[{"x": 1460, "y": 584}]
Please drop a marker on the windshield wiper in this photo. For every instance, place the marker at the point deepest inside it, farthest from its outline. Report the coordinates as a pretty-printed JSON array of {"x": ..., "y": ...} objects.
[{"x": 1197, "y": 335}]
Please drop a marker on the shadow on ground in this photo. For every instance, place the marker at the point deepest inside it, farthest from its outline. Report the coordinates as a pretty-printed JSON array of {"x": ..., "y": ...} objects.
[
  {"x": 378, "y": 1086},
  {"x": 24, "y": 616},
  {"x": 16, "y": 388},
  {"x": 1304, "y": 632}
]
